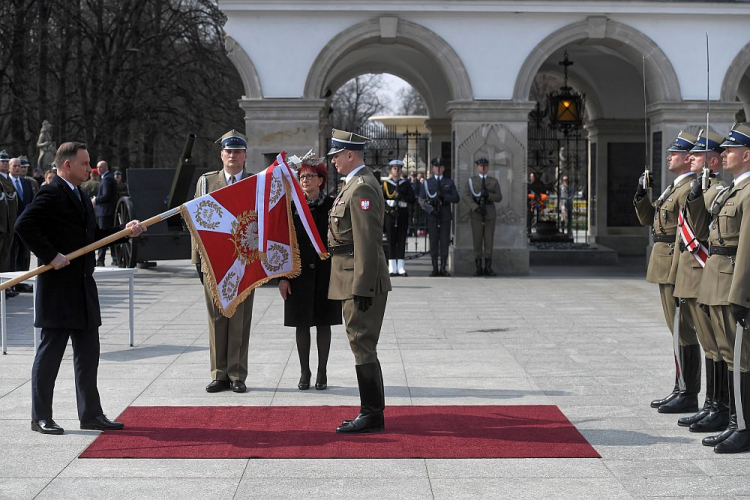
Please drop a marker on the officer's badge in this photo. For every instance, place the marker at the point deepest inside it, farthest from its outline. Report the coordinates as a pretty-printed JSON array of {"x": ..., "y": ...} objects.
[
  {"x": 364, "y": 204},
  {"x": 729, "y": 204}
]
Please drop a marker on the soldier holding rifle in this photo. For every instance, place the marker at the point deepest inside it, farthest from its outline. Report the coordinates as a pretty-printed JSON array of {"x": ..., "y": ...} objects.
[
  {"x": 480, "y": 195},
  {"x": 662, "y": 216},
  {"x": 398, "y": 195},
  {"x": 435, "y": 198}
]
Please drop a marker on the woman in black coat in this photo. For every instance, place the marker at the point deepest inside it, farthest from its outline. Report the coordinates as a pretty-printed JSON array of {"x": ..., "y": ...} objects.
[{"x": 306, "y": 302}]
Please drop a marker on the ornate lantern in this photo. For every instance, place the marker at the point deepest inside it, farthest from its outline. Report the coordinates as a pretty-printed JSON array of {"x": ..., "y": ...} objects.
[{"x": 566, "y": 107}]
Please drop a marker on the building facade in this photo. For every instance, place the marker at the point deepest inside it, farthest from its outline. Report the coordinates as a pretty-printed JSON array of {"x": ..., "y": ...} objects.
[{"x": 475, "y": 62}]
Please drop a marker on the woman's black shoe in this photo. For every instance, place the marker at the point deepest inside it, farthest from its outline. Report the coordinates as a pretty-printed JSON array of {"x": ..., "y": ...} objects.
[
  {"x": 304, "y": 381},
  {"x": 321, "y": 382}
]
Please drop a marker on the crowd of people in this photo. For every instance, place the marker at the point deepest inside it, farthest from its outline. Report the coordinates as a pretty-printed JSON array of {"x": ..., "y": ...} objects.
[{"x": 700, "y": 263}]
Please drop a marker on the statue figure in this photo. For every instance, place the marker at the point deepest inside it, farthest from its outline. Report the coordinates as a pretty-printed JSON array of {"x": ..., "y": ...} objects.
[{"x": 47, "y": 147}]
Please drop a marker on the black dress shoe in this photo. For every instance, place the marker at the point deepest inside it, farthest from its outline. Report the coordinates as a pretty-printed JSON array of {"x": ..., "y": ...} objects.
[
  {"x": 101, "y": 423},
  {"x": 100, "y": 264},
  {"x": 697, "y": 417},
  {"x": 372, "y": 422},
  {"x": 444, "y": 272},
  {"x": 217, "y": 386},
  {"x": 304, "y": 381},
  {"x": 321, "y": 382},
  {"x": 434, "y": 273},
  {"x": 713, "y": 422},
  {"x": 48, "y": 426},
  {"x": 238, "y": 386},
  {"x": 738, "y": 442},
  {"x": 10, "y": 293},
  {"x": 681, "y": 404},
  {"x": 24, "y": 288},
  {"x": 658, "y": 402}
]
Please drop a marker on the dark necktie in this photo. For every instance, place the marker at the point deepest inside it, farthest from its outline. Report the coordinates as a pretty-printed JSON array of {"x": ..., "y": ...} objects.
[
  {"x": 483, "y": 187},
  {"x": 439, "y": 185},
  {"x": 232, "y": 179},
  {"x": 17, "y": 183}
]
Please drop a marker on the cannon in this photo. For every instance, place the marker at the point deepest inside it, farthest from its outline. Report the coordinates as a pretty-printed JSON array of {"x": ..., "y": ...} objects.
[{"x": 151, "y": 192}]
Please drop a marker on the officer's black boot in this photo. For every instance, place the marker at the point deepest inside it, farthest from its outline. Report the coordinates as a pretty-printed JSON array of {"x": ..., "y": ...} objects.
[
  {"x": 707, "y": 403},
  {"x": 480, "y": 270},
  {"x": 372, "y": 401},
  {"x": 687, "y": 401},
  {"x": 739, "y": 441},
  {"x": 443, "y": 268},
  {"x": 488, "y": 268},
  {"x": 732, "y": 426},
  {"x": 718, "y": 418},
  {"x": 435, "y": 271},
  {"x": 675, "y": 391}
]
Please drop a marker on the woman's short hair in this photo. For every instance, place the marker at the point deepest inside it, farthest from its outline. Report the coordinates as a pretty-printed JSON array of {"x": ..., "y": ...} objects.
[{"x": 319, "y": 169}]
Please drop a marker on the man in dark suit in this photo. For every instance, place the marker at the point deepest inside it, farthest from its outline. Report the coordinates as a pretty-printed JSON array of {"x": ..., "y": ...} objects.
[
  {"x": 25, "y": 191},
  {"x": 436, "y": 197},
  {"x": 104, "y": 203},
  {"x": 58, "y": 221}
]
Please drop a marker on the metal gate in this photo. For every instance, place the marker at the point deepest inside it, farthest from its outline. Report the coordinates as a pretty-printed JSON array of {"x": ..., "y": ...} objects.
[
  {"x": 557, "y": 211},
  {"x": 388, "y": 143}
]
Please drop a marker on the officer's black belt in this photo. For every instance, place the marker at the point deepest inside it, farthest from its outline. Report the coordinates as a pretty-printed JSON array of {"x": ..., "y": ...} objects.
[
  {"x": 728, "y": 251},
  {"x": 683, "y": 247},
  {"x": 664, "y": 238},
  {"x": 341, "y": 249}
]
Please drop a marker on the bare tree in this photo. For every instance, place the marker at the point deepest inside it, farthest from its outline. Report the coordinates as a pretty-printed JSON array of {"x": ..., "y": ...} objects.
[
  {"x": 357, "y": 100},
  {"x": 410, "y": 102}
]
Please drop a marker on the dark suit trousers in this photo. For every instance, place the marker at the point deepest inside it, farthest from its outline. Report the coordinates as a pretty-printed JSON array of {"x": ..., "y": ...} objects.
[
  {"x": 47, "y": 365},
  {"x": 20, "y": 256},
  {"x": 104, "y": 222},
  {"x": 439, "y": 239}
]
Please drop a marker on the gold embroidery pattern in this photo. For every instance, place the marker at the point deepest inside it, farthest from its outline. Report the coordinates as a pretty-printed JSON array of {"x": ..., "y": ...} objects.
[
  {"x": 275, "y": 258},
  {"x": 245, "y": 237},
  {"x": 229, "y": 286},
  {"x": 208, "y": 214}
]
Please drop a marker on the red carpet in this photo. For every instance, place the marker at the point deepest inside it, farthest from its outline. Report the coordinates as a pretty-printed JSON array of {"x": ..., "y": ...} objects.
[{"x": 308, "y": 432}]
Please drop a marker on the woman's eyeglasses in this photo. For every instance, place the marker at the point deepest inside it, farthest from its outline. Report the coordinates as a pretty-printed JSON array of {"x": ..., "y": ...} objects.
[{"x": 307, "y": 177}]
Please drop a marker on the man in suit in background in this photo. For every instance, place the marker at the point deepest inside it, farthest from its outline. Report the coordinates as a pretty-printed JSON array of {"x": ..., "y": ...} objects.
[
  {"x": 8, "y": 215},
  {"x": 436, "y": 197},
  {"x": 229, "y": 338},
  {"x": 104, "y": 203},
  {"x": 20, "y": 256},
  {"x": 59, "y": 221},
  {"x": 359, "y": 273}
]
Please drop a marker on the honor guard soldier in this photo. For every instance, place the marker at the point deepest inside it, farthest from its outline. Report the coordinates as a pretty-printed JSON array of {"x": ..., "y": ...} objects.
[
  {"x": 690, "y": 256},
  {"x": 359, "y": 273},
  {"x": 398, "y": 196},
  {"x": 662, "y": 216},
  {"x": 435, "y": 198},
  {"x": 228, "y": 337},
  {"x": 8, "y": 216},
  {"x": 725, "y": 286},
  {"x": 480, "y": 195}
]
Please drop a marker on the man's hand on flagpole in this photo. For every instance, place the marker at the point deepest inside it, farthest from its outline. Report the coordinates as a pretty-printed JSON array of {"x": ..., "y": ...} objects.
[
  {"x": 136, "y": 228},
  {"x": 285, "y": 289},
  {"x": 59, "y": 261}
]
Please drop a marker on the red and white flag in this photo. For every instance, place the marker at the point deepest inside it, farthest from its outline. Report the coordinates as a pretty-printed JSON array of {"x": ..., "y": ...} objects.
[{"x": 245, "y": 233}]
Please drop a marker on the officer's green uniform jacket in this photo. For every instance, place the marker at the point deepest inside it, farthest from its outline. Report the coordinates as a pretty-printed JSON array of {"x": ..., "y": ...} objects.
[
  {"x": 688, "y": 278},
  {"x": 356, "y": 218},
  {"x": 495, "y": 196},
  {"x": 662, "y": 217},
  {"x": 726, "y": 279}
]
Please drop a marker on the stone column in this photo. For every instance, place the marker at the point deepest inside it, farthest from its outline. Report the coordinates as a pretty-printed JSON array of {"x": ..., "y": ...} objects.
[
  {"x": 274, "y": 125},
  {"x": 496, "y": 130}
]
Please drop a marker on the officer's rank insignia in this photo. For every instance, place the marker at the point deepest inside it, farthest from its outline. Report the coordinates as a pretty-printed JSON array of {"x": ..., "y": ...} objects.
[
  {"x": 729, "y": 203},
  {"x": 364, "y": 204}
]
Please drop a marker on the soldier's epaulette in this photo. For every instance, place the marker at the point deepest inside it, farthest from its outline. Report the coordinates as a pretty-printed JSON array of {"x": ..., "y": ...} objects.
[{"x": 215, "y": 172}]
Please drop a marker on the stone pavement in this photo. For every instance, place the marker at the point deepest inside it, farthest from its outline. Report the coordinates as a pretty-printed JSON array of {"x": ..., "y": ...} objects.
[{"x": 589, "y": 340}]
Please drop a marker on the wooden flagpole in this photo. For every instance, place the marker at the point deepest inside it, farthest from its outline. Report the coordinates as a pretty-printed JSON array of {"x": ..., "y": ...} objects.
[{"x": 91, "y": 247}]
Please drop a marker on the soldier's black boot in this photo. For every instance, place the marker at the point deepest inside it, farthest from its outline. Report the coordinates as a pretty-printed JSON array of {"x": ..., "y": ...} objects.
[
  {"x": 739, "y": 441},
  {"x": 443, "y": 268},
  {"x": 707, "y": 403},
  {"x": 656, "y": 403},
  {"x": 372, "y": 402},
  {"x": 435, "y": 271},
  {"x": 687, "y": 401},
  {"x": 480, "y": 270},
  {"x": 718, "y": 418},
  {"x": 488, "y": 268},
  {"x": 732, "y": 426}
]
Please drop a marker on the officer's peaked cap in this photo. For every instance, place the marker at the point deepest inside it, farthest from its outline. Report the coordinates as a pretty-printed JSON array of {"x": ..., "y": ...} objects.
[
  {"x": 4, "y": 156},
  {"x": 232, "y": 140},
  {"x": 714, "y": 143},
  {"x": 342, "y": 140},
  {"x": 684, "y": 143},
  {"x": 738, "y": 137},
  {"x": 482, "y": 161},
  {"x": 395, "y": 163},
  {"x": 437, "y": 162}
]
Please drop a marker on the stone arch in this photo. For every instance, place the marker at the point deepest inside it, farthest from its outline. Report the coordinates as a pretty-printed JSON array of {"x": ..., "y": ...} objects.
[
  {"x": 245, "y": 67},
  {"x": 662, "y": 83},
  {"x": 381, "y": 30},
  {"x": 731, "y": 86}
]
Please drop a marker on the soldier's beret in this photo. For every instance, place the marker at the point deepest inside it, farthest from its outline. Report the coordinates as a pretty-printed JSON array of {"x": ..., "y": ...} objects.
[
  {"x": 684, "y": 143},
  {"x": 341, "y": 140},
  {"x": 738, "y": 137},
  {"x": 232, "y": 140}
]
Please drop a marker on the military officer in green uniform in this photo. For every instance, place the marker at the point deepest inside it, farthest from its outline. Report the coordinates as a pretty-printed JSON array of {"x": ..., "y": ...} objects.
[
  {"x": 359, "y": 272},
  {"x": 689, "y": 257},
  {"x": 725, "y": 286},
  {"x": 661, "y": 215},
  {"x": 481, "y": 192},
  {"x": 228, "y": 337},
  {"x": 8, "y": 216}
]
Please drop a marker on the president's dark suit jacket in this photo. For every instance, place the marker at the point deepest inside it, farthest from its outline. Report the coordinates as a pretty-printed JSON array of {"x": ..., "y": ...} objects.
[
  {"x": 57, "y": 222},
  {"x": 106, "y": 196}
]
